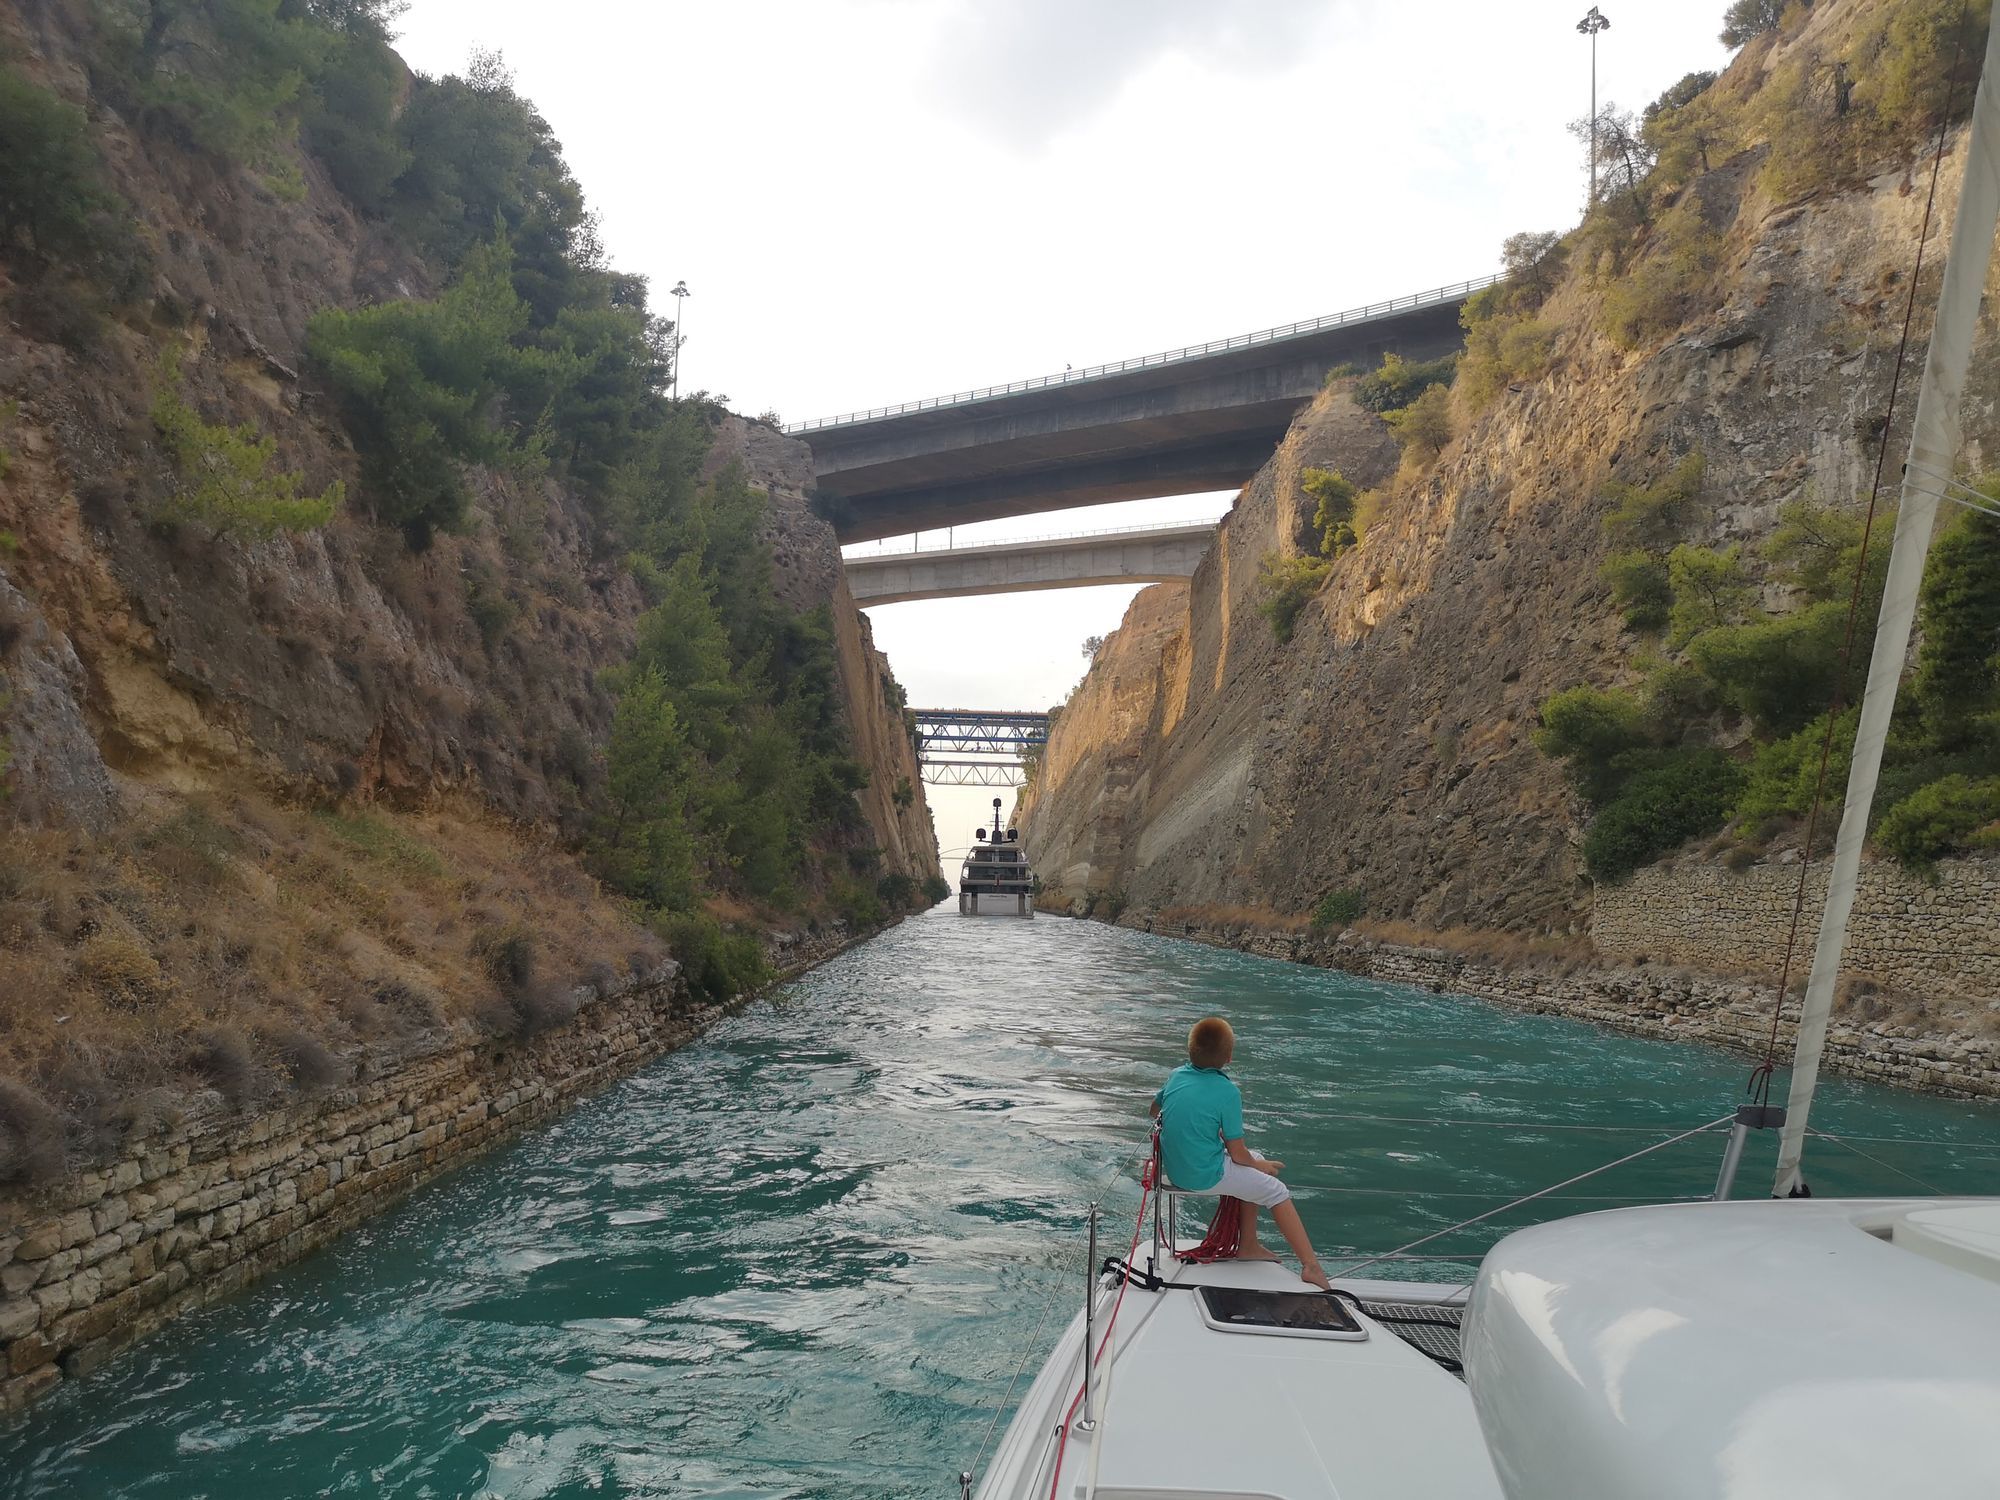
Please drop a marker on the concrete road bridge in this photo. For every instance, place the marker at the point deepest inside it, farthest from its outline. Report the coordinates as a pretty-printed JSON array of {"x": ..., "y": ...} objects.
[
  {"x": 1179, "y": 422},
  {"x": 977, "y": 747},
  {"x": 1127, "y": 554}
]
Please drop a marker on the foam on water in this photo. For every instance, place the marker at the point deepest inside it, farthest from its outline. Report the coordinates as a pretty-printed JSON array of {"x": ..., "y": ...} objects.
[{"x": 802, "y": 1258}]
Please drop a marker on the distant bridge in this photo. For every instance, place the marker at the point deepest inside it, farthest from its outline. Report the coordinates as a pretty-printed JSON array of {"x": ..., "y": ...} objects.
[
  {"x": 1175, "y": 423},
  {"x": 1128, "y": 554},
  {"x": 977, "y": 747}
]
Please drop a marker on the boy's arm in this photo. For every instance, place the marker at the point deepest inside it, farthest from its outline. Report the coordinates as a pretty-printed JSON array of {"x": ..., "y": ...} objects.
[{"x": 1242, "y": 1155}]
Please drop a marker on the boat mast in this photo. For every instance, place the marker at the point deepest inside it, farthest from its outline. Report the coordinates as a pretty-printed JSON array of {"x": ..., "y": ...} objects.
[{"x": 1934, "y": 444}]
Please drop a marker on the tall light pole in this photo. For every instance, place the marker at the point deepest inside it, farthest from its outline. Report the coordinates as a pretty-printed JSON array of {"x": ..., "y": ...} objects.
[
  {"x": 680, "y": 295},
  {"x": 1592, "y": 23}
]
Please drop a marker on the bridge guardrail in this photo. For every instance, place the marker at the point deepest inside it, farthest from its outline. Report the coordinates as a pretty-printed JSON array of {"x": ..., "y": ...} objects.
[
  {"x": 1027, "y": 541},
  {"x": 1455, "y": 292}
]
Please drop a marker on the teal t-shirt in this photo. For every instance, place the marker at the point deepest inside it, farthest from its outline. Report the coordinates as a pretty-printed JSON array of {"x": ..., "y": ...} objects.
[{"x": 1200, "y": 1108}]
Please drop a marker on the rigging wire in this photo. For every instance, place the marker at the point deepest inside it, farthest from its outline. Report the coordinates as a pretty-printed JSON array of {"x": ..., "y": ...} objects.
[
  {"x": 1535, "y": 1125},
  {"x": 1760, "y": 1080},
  {"x": 1391, "y": 1192},
  {"x": 1827, "y": 1135},
  {"x": 1547, "y": 1191},
  {"x": 1972, "y": 497},
  {"x": 1493, "y": 1124}
]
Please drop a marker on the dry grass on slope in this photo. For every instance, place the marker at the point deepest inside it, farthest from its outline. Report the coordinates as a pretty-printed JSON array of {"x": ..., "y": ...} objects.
[{"x": 259, "y": 950}]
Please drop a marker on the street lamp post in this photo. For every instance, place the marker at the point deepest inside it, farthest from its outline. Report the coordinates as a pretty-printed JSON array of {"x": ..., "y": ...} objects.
[
  {"x": 1592, "y": 23},
  {"x": 680, "y": 295}
]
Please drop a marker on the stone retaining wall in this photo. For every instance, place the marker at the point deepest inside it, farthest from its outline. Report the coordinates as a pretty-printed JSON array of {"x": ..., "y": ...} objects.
[
  {"x": 194, "y": 1214},
  {"x": 1645, "y": 1001},
  {"x": 1907, "y": 933}
]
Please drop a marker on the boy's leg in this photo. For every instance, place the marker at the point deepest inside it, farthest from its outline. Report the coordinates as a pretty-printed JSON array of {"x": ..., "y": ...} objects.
[
  {"x": 1247, "y": 1247},
  {"x": 1294, "y": 1232}
]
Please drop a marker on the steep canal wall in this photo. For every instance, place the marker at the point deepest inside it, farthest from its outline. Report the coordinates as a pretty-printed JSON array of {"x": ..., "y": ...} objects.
[
  {"x": 202, "y": 1209},
  {"x": 1874, "y": 1035}
]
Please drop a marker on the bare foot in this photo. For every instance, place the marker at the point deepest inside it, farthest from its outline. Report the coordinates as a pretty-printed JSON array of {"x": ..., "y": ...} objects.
[
  {"x": 1255, "y": 1252},
  {"x": 1316, "y": 1276}
]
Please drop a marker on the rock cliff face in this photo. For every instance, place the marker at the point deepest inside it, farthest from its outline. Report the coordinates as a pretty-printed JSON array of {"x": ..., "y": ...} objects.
[
  {"x": 327, "y": 659},
  {"x": 309, "y": 786},
  {"x": 1388, "y": 746}
]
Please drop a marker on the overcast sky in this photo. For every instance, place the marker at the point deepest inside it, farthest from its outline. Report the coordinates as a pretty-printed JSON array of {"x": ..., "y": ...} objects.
[{"x": 877, "y": 200}]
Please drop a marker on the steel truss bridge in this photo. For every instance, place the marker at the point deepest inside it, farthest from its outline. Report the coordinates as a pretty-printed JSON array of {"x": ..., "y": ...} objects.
[{"x": 977, "y": 747}]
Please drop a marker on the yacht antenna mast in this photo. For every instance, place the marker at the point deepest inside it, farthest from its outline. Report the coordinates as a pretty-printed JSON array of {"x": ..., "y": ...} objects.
[{"x": 1934, "y": 442}]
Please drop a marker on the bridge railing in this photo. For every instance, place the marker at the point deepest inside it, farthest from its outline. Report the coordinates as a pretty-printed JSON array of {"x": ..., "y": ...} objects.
[
  {"x": 1154, "y": 528},
  {"x": 1457, "y": 291}
]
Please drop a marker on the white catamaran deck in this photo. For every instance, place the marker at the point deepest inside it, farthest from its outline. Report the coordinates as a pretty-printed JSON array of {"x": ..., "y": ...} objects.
[{"x": 1188, "y": 1410}]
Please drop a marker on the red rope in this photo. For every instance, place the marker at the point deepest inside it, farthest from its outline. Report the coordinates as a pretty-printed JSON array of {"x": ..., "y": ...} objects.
[
  {"x": 1225, "y": 1235},
  {"x": 1062, "y": 1438}
]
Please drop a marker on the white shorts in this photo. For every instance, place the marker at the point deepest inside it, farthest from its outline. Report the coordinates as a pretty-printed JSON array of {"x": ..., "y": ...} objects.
[{"x": 1249, "y": 1184}]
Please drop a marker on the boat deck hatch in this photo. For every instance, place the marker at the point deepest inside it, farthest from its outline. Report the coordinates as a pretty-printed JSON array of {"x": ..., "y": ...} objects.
[{"x": 1299, "y": 1315}]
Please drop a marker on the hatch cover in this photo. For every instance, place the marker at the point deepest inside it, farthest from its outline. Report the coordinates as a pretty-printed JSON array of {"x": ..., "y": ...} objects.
[{"x": 1299, "y": 1315}]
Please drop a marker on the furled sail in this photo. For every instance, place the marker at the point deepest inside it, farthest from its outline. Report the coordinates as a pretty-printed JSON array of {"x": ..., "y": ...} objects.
[{"x": 1934, "y": 444}]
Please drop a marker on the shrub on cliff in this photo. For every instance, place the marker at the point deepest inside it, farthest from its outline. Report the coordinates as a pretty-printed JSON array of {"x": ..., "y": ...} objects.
[
  {"x": 227, "y": 481},
  {"x": 1333, "y": 513},
  {"x": 1957, "y": 682},
  {"x": 717, "y": 965},
  {"x": 1593, "y": 730},
  {"x": 1688, "y": 793},
  {"x": 31, "y": 1138},
  {"x": 1639, "y": 587},
  {"x": 1946, "y": 817},
  {"x": 1500, "y": 351},
  {"x": 897, "y": 891},
  {"x": 1287, "y": 585},
  {"x": 1746, "y": 20},
  {"x": 1340, "y": 908},
  {"x": 1659, "y": 514},
  {"x": 51, "y": 195},
  {"x": 417, "y": 384},
  {"x": 1400, "y": 382},
  {"x": 641, "y": 842},
  {"x": 1655, "y": 295},
  {"x": 1425, "y": 426}
]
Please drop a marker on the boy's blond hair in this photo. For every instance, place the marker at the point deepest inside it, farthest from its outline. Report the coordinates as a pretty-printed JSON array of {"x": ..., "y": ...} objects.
[{"x": 1210, "y": 1042}]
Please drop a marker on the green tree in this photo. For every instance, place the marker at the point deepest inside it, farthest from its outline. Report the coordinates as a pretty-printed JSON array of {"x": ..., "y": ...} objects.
[
  {"x": 1333, "y": 515},
  {"x": 227, "y": 479},
  {"x": 1287, "y": 585},
  {"x": 1534, "y": 259},
  {"x": 1660, "y": 808},
  {"x": 1709, "y": 588},
  {"x": 1952, "y": 814},
  {"x": 642, "y": 843},
  {"x": 350, "y": 114},
  {"x": 1596, "y": 732},
  {"x": 1639, "y": 587},
  {"x": 1400, "y": 382},
  {"x": 1780, "y": 672},
  {"x": 1659, "y": 514},
  {"x": 226, "y": 76},
  {"x": 1746, "y": 20},
  {"x": 50, "y": 184},
  {"x": 417, "y": 384},
  {"x": 1957, "y": 682},
  {"x": 1816, "y": 547},
  {"x": 1425, "y": 426}
]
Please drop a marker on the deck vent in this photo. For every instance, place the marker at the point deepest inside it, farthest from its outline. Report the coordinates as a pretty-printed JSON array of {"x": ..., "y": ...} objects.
[{"x": 1298, "y": 1315}]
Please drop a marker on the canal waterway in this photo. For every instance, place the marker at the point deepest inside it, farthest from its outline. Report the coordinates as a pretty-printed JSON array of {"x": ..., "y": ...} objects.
[{"x": 805, "y": 1256}]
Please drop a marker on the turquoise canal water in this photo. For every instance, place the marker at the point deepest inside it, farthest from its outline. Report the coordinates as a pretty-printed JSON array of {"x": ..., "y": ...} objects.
[{"x": 804, "y": 1257}]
